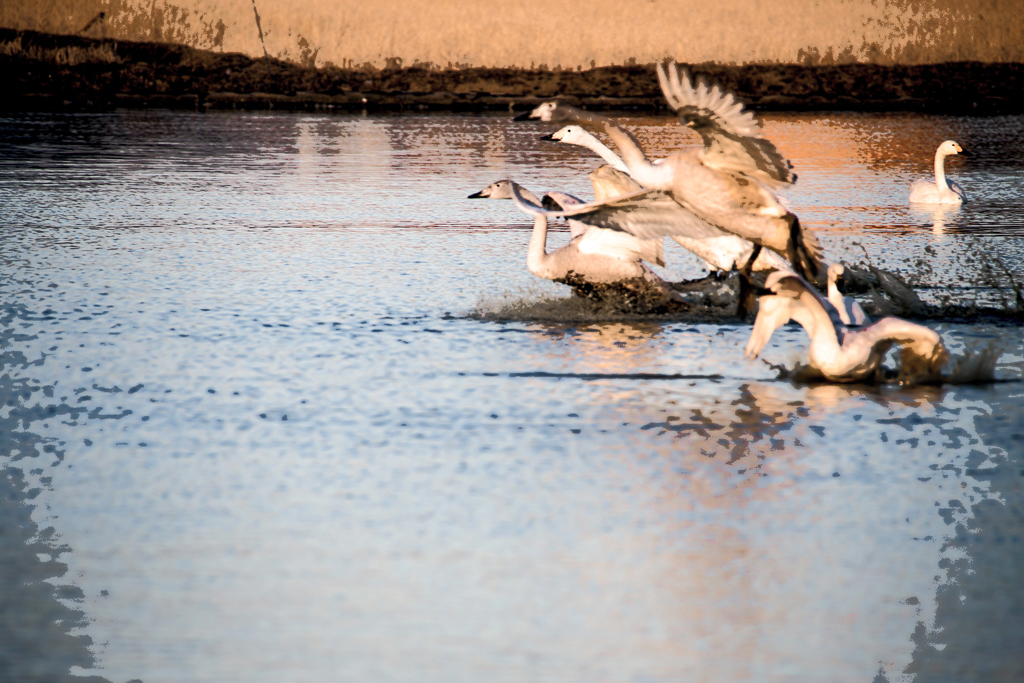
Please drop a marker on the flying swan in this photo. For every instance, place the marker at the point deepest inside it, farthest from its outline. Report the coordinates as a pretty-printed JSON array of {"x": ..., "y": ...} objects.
[
  {"x": 840, "y": 354},
  {"x": 596, "y": 256},
  {"x": 722, "y": 253},
  {"x": 941, "y": 191},
  {"x": 725, "y": 183}
]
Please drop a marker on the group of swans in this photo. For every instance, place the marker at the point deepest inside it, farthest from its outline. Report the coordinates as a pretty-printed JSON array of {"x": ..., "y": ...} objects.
[
  {"x": 719, "y": 202},
  {"x": 724, "y": 188},
  {"x": 594, "y": 256}
]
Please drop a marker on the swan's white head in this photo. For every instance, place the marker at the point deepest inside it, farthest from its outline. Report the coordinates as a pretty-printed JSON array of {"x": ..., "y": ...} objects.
[
  {"x": 570, "y": 134},
  {"x": 552, "y": 111},
  {"x": 501, "y": 189},
  {"x": 835, "y": 271},
  {"x": 950, "y": 147}
]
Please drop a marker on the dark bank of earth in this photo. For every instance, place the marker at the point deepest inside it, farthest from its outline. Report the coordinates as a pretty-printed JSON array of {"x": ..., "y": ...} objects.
[{"x": 40, "y": 71}]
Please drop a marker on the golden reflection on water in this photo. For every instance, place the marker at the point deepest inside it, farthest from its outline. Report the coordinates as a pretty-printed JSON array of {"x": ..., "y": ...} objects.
[{"x": 455, "y": 498}]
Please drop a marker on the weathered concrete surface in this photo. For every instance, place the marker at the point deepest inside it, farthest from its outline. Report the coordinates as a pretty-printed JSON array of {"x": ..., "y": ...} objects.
[
  {"x": 555, "y": 34},
  {"x": 44, "y": 71}
]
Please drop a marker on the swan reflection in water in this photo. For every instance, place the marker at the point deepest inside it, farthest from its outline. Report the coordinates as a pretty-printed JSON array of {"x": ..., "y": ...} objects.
[
  {"x": 770, "y": 514},
  {"x": 938, "y": 216}
]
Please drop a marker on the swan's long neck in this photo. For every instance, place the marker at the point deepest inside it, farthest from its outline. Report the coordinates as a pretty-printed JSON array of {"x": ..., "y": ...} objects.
[
  {"x": 833, "y": 292},
  {"x": 529, "y": 196},
  {"x": 838, "y": 302},
  {"x": 940, "y": 170},
  {"x": 813, "y": 318},
  {"x": 628, "y": 145},
  {"x": 537, "y": 256},
  {"x": 602, "y": 150},
  {"x": 835, "y": 297}
]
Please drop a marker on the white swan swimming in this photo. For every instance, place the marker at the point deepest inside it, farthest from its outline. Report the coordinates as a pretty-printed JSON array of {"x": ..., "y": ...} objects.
[
  {"x": 595, "y": 256},
  {"x": 849, "y": 310},
  {"x": 941, "y": 191},
  {"x": 840, "y": 354},
  {"x": 722, "y": 253},
  {"x": 725, "y": 182}
]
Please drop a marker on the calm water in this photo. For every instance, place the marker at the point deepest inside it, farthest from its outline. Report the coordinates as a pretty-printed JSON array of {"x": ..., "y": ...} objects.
[{"x": 255, "y": 429}]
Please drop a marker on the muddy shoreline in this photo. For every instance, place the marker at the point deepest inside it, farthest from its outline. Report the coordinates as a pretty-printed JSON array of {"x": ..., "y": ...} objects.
[{"x": 40, "y": 71}]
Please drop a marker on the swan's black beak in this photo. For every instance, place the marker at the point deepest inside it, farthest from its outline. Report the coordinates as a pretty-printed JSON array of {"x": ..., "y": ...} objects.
[
  {"x": 477, "y": 195},
  {"x": 548, "y": 137},
  {"x": 963, "y": 153},
  {"x": 841, "y": 283},
  {"x": 525, "y": 116}
]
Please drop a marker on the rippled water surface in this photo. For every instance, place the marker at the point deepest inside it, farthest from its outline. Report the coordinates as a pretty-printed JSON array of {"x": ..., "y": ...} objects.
[{"x": 263, "y": 421}]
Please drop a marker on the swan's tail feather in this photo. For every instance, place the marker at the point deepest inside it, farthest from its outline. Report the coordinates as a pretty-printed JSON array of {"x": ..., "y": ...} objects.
[
  {"x": 813, "y": 247},
  {"x": 805, "y": 253}
]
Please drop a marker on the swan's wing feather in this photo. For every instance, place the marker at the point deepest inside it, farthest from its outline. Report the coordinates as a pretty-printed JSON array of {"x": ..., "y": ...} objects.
[
  {"x": 524, "y": 204},
  {"x": 561, "y": 200},
  {"x": 653, "y": 250},
  {"x": 900, "y": 331},
  {"x": 616, "y": 244},
  {"x": 955, "y": 186},
  {"x": 576, "y": 229},
  {"x": 752, "y": 156},
  {"x": 787, "y": 284},
  {"x": 772, "y": 313},
  {"x": 645, "y": 214},
  {"x": 703, "y": 108},
  {"x": 916, "y": 340},
  {"x": 731, "y": 134},
  {"x": 608, "y": 181}
]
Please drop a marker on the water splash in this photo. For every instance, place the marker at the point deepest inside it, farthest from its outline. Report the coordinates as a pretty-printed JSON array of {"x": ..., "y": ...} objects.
[{"x": 973, "y": 366}]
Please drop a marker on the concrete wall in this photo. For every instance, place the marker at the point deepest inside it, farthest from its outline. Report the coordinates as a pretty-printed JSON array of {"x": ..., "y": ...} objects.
[{"x": 552, "y": 33}]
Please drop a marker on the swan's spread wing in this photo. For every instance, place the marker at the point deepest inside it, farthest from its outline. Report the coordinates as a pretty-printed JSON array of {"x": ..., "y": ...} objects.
[
  {"x": 731, "y": 135},
  {"x": 729, "y": 153},
  {"x": 556, "y": 201},
  {"x": 704, "y": 106},
  {"x": 521, "y": 197},
  {"x": 645, "y": 214},
  {"x": 923, "y": 350},
  {"x": 921, "y": 340},
  {"x": 653, "y": 250},
  {"x": 772, "y": 313},
  {"x": 608, "y": 181},
  {"x": 620, "y": 245},
  {"x": 560, "y": 200},
  {"x": 576, "y": 229}
]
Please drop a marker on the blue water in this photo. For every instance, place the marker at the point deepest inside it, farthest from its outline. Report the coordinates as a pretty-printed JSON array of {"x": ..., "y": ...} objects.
[{"x": 265, "y": 418}]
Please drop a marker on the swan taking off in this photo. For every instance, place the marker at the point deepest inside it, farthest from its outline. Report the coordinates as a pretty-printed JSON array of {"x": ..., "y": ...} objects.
[
  {"x": 725, "y": 183},
  {"x": 941, "y": 191},
  {"x": 608, "y": 258},
  {"x": 723, "y": 253},
  {"x": 849, "y": 310},
  {"x": 841, "y": 355},
  {"x": 577, "y": 135}
]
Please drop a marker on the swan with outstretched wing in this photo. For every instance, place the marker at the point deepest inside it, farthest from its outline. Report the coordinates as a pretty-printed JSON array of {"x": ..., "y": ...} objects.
[
  {"x": 726, "y": 182},
  {"x": 840, "y": 354}
]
